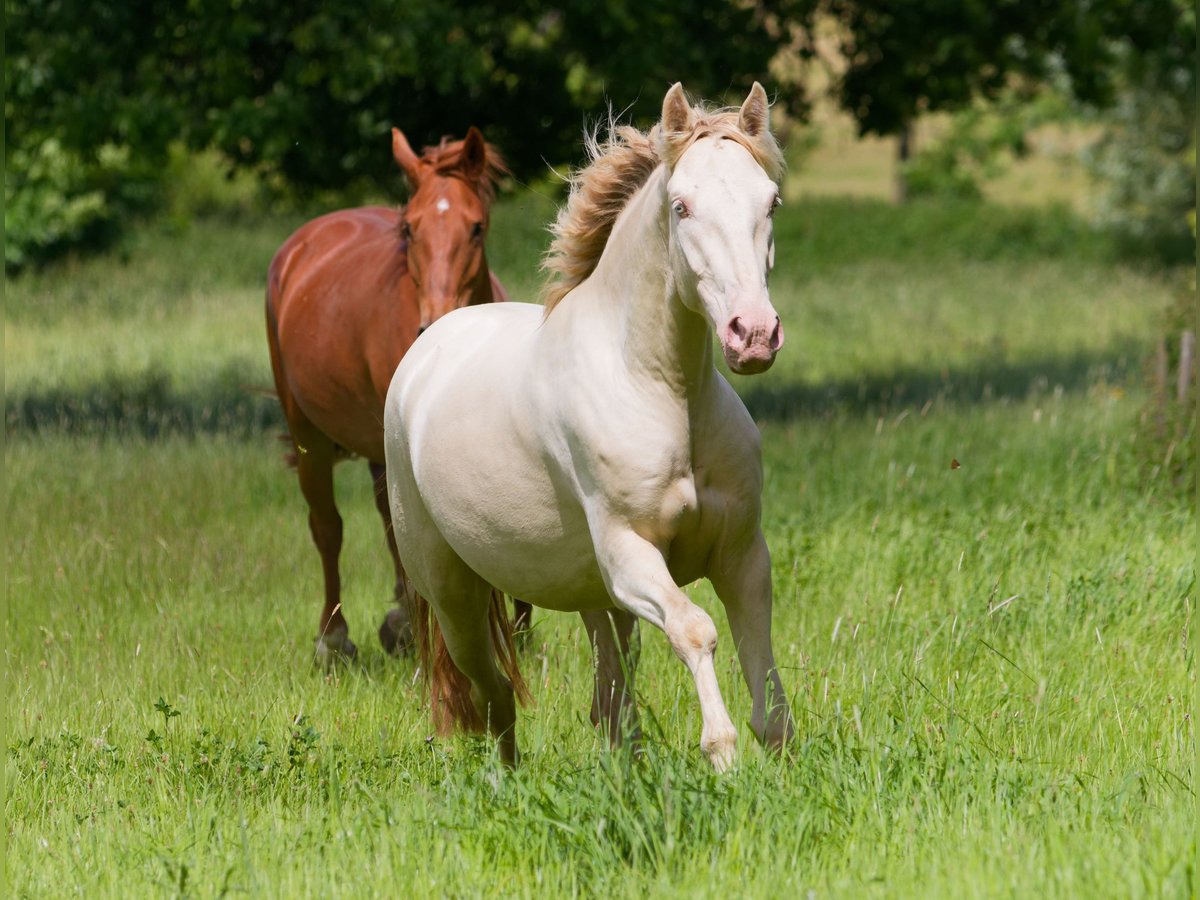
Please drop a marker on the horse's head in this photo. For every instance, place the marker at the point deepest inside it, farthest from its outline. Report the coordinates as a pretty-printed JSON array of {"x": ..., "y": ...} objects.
[
  {"x": 721, "y": 205},
  {"x": 445, "y": 221}
]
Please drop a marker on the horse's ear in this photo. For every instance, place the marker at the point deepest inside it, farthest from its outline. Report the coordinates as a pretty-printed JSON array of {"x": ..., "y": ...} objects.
[
  {"x": 409, "y": 161},
  {"x": 474, "y": 154},
  {"x": 755, "y": 115},
  {"x": 677, "y": 115}
]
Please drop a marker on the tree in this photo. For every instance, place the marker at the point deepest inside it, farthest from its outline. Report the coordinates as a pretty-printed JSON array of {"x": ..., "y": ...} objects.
[
  {"x": 312, "y": 88},
  {"x": 905, "y": 59},
  {"x": 307, "y": 90}
]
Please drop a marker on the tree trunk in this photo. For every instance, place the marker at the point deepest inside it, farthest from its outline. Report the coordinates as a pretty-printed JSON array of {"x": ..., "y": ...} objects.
[{"x": 903, "y": 139}]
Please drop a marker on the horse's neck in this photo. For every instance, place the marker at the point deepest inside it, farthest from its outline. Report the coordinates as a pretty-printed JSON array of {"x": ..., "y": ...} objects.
[
  {"x": 659, "y": 337},
  {"x": 483, "y": 289}
]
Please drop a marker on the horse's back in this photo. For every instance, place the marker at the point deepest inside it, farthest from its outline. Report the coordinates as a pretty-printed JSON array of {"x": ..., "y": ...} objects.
[
  {"x": 329, "y": 242},
  {"x": 338, "y": 324}
]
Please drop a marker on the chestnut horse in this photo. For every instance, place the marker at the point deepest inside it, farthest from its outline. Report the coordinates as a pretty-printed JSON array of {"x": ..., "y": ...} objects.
[{"x": 347, "y": 295}]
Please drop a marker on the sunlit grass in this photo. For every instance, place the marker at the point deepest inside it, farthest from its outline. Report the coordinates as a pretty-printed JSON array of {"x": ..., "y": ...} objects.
[
  {"x": 992, "y": 654},
  {"x": 845, "y": 164}
]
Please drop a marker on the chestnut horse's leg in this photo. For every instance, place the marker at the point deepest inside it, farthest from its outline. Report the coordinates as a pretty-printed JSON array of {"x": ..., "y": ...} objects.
[
  {"x": 613, "y": 706},
  {"x": 314, "y": 465},
  {"x": 522, "y": 617},
  {"x": 395, "y": 633}
]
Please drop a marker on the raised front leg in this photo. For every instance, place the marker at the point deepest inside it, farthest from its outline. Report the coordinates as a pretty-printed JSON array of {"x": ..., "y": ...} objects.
[
  {"x": 637, "y": 578},
  {"x": 741, "y": 575},
  {"x": 613, "y": 707}
]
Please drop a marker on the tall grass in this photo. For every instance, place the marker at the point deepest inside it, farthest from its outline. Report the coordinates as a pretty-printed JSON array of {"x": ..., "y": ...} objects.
[{"x": 982, "y": 608}]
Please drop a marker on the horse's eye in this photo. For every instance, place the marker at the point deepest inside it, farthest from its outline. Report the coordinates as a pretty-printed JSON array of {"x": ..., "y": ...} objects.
[
  {"x": 680, "y": 208},
  {"x": 406, "y": 231},
  {"x": 476, "y": 231}
]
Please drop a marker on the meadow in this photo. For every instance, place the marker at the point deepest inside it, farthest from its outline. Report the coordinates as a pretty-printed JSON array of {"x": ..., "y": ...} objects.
[{"x": 983, "y": 600}]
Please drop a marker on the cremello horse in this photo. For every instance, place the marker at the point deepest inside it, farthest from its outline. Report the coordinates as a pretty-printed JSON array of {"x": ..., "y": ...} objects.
[{"x": 588, "y": 456}]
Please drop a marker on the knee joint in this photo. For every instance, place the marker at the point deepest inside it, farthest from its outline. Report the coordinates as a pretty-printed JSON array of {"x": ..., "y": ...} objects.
[{"x": 694, "y": 634}]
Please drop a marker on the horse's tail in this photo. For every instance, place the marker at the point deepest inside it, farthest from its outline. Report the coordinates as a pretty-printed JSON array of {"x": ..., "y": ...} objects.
[{"x": 449, "y": 689}]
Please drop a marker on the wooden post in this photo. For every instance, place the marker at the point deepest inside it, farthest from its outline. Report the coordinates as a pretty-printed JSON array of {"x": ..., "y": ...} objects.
[
  {"x": 1187, "y": 360},
  {"x": 1160, "y": 369}
]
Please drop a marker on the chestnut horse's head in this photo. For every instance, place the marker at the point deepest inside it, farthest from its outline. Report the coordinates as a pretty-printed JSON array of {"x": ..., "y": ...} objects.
[{"x": 446, "y": 220}]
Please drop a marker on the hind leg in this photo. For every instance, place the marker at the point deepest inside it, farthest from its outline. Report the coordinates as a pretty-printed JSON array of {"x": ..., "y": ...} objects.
[
  {"x": 613, "y": 706},
  {"x": 522, "y": 617},
  {"x": 314, "y": 465},
  {"x": 467, "y": 687},
  {"x": 315, "y": 456},
  {"x": 395, "y": 633},
  {"x": 461, "y": 600}
]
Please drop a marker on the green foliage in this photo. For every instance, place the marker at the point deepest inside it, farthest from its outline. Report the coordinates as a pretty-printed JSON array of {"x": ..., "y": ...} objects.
[
  {"x": 1145, "y": 161},
  {"x": 310, "y": 90},
  {"x": 979, "y": 143},
  {"x": 1133, "y": 64},
  {"x": 203, "y": 186},
  {"x": 305, "y": 93},
  {"x": 972, "y": 150},
  {"x": 905, "y": 59},
  {"x": 55, "y": 198}
]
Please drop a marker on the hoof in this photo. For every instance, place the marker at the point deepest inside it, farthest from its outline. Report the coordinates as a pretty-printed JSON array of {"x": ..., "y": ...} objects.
[
  {"x": 332, "y": 647},
  {"x": 720, "y": 749},
  {"x": 395, "y": 633}
]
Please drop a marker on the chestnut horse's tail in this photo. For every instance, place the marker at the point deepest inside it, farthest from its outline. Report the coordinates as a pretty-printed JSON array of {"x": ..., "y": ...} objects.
[{"x": 449, "y": 689}]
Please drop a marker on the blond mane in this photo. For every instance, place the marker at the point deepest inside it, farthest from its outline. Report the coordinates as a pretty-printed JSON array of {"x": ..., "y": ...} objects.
[{"x": 616, "y": 170}]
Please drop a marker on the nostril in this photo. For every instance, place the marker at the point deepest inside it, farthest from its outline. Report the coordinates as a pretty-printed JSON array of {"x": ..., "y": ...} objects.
[
  {"x": 737, "y": 329},
  {"x": 777, "y": 335},
  {"x": 421, "y": 329}
]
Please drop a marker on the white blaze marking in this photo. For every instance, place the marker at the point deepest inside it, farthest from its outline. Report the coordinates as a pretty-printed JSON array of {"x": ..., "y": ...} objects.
[{"x": 442, "y": 205}]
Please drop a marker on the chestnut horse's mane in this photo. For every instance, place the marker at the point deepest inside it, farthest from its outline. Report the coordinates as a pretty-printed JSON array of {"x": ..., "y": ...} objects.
[
  {"x": 446, "y": 159},
  {"x": 616, "y": 169}
]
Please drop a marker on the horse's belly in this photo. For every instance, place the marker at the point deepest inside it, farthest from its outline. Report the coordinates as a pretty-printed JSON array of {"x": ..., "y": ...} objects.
[
  {"x": 350, "y": 423},
  {"x": 560, "y": 575}
]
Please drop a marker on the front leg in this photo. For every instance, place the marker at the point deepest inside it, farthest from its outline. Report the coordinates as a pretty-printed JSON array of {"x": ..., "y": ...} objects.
[
  {"x": 741, "y": 576},
  {"x": 637, "y": 578}
]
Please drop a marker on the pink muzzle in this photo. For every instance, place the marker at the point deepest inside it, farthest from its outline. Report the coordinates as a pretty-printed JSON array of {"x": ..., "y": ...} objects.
[{"x": 751, "y": 340}]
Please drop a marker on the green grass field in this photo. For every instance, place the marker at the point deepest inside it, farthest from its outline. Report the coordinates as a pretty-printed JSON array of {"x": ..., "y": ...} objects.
[{"x": 990, "y": 664}]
